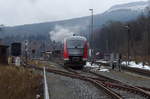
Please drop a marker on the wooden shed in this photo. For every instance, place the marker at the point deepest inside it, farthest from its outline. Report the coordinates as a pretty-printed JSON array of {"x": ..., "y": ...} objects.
[{"x": 4, "y": 54}]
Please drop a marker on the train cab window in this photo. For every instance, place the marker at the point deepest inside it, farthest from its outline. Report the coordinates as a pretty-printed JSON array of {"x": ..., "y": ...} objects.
[{"x": 75, "y": 44}]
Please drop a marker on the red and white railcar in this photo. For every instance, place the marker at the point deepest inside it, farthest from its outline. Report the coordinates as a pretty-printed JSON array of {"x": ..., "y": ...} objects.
[{"x": 75, "y": 51}]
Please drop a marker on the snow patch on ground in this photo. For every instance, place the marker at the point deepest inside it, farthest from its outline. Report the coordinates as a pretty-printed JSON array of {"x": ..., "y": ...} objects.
[
  {"x": 88, "y": 64},
  {"x": 102, "y": 61},
  {"x": 103, "y": 69},
  {"x": 131, "y": 64},
  {"x": 140, "y": 65},
  {"x": 97, "y": 67}
]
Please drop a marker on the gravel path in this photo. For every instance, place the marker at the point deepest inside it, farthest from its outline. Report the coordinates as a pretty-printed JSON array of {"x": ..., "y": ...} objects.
[{"x": 61, "y": 87}]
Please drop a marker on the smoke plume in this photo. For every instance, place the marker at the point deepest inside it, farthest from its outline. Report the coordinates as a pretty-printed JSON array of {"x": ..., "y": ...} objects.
[{"x": 59, "y": 33}]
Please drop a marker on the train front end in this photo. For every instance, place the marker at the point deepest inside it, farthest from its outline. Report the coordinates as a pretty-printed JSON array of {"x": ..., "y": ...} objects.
[{"x": 75, "y": 51}]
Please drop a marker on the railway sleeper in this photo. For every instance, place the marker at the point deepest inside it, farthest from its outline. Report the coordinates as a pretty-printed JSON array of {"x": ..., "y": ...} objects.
[{"x": 129, "y": 88}]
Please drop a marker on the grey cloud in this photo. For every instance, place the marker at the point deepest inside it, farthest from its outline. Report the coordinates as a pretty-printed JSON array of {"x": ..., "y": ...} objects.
[
  {"x": 17, "y": 12},
  {"x": 33, "y": 1}
]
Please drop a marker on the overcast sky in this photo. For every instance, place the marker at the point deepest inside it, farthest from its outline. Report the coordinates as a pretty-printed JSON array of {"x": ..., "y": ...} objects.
[{"x": 18, "y": 12}]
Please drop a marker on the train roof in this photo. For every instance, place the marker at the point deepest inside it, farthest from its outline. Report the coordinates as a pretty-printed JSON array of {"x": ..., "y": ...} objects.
[{"x": 76, "y": 38}]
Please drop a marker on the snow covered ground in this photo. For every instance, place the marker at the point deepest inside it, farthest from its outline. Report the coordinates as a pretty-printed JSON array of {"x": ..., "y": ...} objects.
[
  {"x": 97, "y": 67},
  {"x": 135, "y": 6},
  {"x": 102, "y": 61},
  {"x": 102, "y": 69},
  {"x": 88, "y": 64},
  {"x": 133, "y": 64}
]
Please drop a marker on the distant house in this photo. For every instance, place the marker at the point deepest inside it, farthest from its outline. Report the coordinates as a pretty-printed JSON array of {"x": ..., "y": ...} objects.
[
  {"x": 4, "y": 54},
  {"x": 1, "y": 42}
]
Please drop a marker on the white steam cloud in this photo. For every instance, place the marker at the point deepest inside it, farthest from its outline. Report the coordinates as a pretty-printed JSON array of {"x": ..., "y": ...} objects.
[{"x": 59, "y": 33}]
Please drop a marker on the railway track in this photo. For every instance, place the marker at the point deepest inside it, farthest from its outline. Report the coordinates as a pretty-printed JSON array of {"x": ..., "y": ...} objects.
[
  {"x": 137, "y": 70},
  {"x": 130, "y": 69},
  {"x": 107, "y": 91},
  {"x": 111, "y": 87},
  {"x": 114, "y": 84}
]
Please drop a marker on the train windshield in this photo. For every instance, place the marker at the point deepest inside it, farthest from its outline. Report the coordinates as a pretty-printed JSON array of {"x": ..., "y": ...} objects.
[{"x": 75, "y": 44}]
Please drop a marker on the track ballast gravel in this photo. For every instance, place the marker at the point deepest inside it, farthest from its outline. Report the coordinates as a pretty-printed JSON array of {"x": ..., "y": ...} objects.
[{"x": 61, "y": 87}]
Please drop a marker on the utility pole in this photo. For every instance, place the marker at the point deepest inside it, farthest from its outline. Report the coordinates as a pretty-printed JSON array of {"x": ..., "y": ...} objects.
[
  {"x": 145, "y": 42},
  {"x": 107, "y": 47},
  {"x": 128, "y": 36},
  {"x": 92, "y": 21},
  {"x": 92, "y": 34}
]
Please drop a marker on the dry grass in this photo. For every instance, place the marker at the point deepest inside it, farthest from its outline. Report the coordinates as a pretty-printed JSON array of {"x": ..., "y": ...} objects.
[
  {"x": 37, "y": 63},
  {"x": 18, "y": 83}
]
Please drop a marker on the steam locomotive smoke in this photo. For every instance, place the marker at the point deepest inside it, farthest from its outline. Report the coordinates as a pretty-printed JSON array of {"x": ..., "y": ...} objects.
[{"x": 59, "y": 33}]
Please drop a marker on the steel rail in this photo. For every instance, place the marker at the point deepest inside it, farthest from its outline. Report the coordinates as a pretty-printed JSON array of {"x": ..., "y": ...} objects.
[
  {"x": 130, "y": 69},
  {"x": 120, "y": 85},
  {"x": 106, "y": 90},
  {"x": 46, "y": 93},
  {"x": 117, "y": 84},
  {"x": 106, "y": 84}
]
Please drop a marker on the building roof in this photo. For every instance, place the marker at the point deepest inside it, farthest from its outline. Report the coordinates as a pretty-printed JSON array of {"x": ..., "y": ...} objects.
[{"x": 6, "y": 46}]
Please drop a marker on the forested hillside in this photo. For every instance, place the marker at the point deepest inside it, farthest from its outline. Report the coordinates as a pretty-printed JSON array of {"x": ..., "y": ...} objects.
[
  {"x": 123, "y": 13},
  {"x": 117, "y": 37},
  {"x": 109, "y": 27}
]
